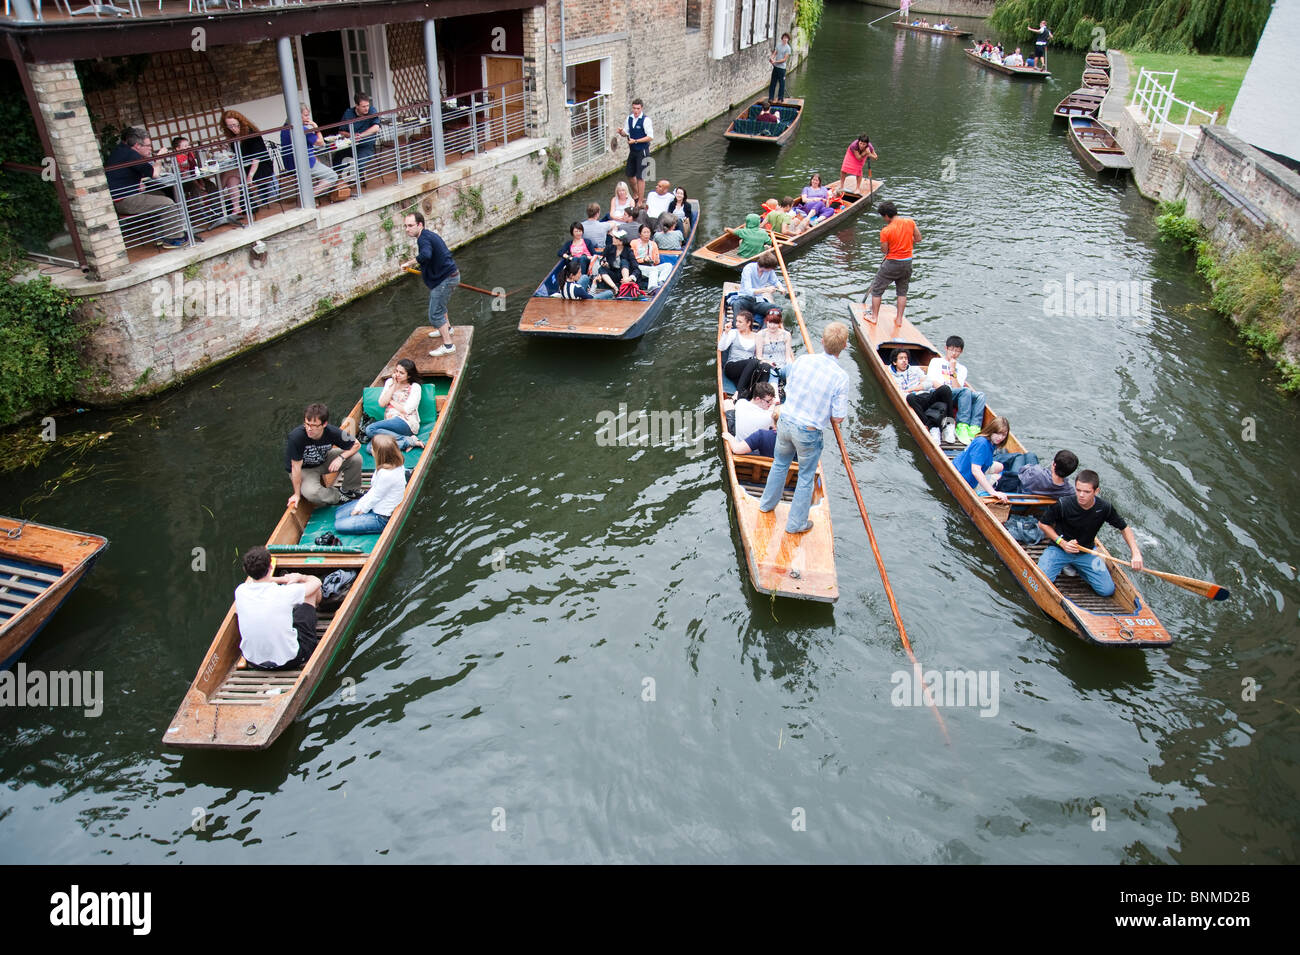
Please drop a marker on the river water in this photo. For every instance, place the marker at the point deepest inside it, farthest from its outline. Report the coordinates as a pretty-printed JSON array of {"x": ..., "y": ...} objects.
[{"x": 546, "y": 586}]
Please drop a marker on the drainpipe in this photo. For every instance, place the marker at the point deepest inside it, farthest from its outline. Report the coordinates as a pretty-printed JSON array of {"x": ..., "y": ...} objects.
[
  {"x": 293, "y": 113},
  {"x": 435, "y": 95},
  {"x": 564, "y": 69}
]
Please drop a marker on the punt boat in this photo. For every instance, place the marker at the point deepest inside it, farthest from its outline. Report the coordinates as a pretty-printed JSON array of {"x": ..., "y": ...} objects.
[
  {"x": 1096, "y": 146},
  {"x": 1082, "y": 102},
  {"x": 40, "y": 567},
  {"x": 940, "y": 31},
  {"x": 1096, "y": 79},
  {"x": 722, "y": 250},
  {"x": 548, "y": 316},
  {"x": 232, "y": 706},
  {"x": 1096, "y": 60},
  {"x": 746, "y": 128},
  {"x": 787, "y": 565},
  {"x": 1122, "y": 620},
  {"x": 1026, "y": 72}
]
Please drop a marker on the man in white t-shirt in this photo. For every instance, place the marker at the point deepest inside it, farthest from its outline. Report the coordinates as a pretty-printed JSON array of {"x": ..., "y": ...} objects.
[
  {"x": 756, "y": 414},
  {"x": 657, "y": 203},
  {"x": 970, "y": 403},
  {"x": 277, "y": 615}
]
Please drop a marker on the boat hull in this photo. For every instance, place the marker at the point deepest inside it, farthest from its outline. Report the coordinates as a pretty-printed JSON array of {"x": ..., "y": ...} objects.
[
  {"x": 1096, "y": 147},
  {"x": 1024, "y": 72},
  {"x": 934, "y": 31}
]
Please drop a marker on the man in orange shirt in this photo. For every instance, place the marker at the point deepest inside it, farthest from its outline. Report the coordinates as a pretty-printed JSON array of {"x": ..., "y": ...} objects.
[{"x": 896, "y": 240}]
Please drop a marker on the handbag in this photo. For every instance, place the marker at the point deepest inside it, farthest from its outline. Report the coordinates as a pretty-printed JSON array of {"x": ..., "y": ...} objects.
[{"x": 629, "y": 290}]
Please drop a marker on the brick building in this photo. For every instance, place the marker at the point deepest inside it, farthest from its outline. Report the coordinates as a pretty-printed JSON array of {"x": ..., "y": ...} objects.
[{"x": 484, "y": 110}]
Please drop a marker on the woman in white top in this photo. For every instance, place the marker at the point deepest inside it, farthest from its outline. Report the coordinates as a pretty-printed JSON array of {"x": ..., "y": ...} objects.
[
  {"x": 646, "y": 252},
  {"x": 774, "y": 347},
  {"x": 400, "y": 400},
  {"x": 618, "y": 206},
  {"x": 737, "y": 347},
  {"x": 369, "y": 513}
]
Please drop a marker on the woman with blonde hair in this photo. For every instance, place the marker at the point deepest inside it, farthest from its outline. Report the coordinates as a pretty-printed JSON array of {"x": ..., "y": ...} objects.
[
  {"x": 254, "y": 166},
  {"x": 622, "y": 206},
  {"x": 369, "y": 513}
]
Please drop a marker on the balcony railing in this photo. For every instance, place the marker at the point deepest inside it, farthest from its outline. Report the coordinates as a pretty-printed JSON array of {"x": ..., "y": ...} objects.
[{"x": 587, "y": 128}]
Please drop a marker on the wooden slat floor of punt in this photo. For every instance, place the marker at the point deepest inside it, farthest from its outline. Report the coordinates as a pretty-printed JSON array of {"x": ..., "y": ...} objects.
[
  {"x": 1077, "y": 589},
  {"x": 9, "y": 569},
  {"x": 258, "y": 686}
]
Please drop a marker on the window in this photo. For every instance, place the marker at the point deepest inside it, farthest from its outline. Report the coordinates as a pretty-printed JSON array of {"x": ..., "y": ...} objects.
[
  {"x": 746, "y": 23},
  {"x": 693, "y": 14},
  {"x": 724, "y": 28}
]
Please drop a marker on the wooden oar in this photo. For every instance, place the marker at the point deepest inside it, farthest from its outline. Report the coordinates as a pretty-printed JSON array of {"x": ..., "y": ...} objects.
[
  {"x": 862, "y": 510},
  {"x": 1203, "y": 587}
]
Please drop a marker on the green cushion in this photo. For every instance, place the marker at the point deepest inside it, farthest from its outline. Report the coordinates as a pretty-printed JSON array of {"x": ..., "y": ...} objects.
[
  {"x": 370, "y": 403},
  {"x": 322, "y": 519},
  {"x": 429, "y": 404}
]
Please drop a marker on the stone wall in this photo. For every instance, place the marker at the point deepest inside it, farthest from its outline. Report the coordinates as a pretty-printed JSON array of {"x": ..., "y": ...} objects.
[
  {"x": 1258, "y": 178},
  {"x": 946, "y": 8}
]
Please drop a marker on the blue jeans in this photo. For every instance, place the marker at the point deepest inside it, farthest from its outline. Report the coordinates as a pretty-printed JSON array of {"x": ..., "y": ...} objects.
[
  {"x": 970, "y": 407},
  {"x": 438, "y": 297},
  {"x": 806, "y": 443},
  {"x": 345, "y": 522},
  {"x": 1091, "y": 568},
  {"x": 397, "y": 427},
  {"x": 1012, "y": 463},
  {"x": 778, "y": 80}
]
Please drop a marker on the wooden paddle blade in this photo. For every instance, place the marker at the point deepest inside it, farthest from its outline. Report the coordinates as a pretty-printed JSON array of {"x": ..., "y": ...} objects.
[{"x": 1203, "y": 587}]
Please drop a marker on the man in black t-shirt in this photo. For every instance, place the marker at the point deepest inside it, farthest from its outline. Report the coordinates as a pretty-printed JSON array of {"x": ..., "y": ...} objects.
[
  {"x": 127, "y": 184},
  {"x": 316, "y": 449},
  {"x": 1073, "y": 522}
]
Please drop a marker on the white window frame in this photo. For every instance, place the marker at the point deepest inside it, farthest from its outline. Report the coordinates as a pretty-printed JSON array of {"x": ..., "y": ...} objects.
[
  {"x": 724, "y": 28},
  {"x": 606, "y": 75},
  {"x": 746, "y": 23}
]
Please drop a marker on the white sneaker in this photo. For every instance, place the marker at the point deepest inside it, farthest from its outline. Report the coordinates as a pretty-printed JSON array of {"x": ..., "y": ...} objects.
[
  {"x": 1069, "y": 570},
  {"x": 949, "y": 431},
  {"x": 443, "y": 350},
  {"x": 934, "y": 435}
]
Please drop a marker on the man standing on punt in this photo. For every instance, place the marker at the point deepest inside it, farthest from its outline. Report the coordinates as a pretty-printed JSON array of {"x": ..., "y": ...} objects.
[
  {"x": 440, "y": 274},
  {"x": 815, "y": 395},
  {"x": 896, "y": 241}
]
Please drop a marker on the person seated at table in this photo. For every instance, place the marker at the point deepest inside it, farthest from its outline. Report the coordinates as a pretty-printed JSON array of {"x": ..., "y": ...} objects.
[
  {"x": 364, "y": 130},
  {"x": 1015, "y": 59},
  {"x": 369, "y": 513},
  {"x": 400, "y": 400},
  {"x": 753, "y": 237},
  {"x": 669, "y": 236},
  {"x": 194, "y": 187},
  {"x": 932, "y": 405},
  {"x": 594, "y": 228},
  {"x": 617, "y": 266},
  {"x": 127, "y": 187},
  {"x": 657, "y": 202},
  {"x": 254, "y": 167},
  {"x": 976, "y": 463},
  {"x": 768, "y": 114},
  {"x": 681, "y": 208},
  {"x": 646, "y": 251},
  {"x": 775, "y": 345},
  {"x": 574, "y": 285},
  {"x": 622, "y": 208},
  {"x": 321, "y": 171},
  {"x": 578, "y": 249}
]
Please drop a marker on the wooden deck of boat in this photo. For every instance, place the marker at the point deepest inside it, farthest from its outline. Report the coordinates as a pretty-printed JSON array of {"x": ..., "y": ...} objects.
[
  {"x": 801, "y": 566},
  {"x": 1082, "y": 102},
  {"x": 1025, "y": 72},
  {"x": 721, "y": 251},
  {"x": 1121, "y": 620},
  {"x": 39, "y": 567},
  {"x": 231, "y": 706},
  {"x": 1095, "y": 145}
]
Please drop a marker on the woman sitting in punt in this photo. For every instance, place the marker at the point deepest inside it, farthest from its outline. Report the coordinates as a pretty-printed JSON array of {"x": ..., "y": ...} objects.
[
  {"x": 738, "y": 349},
  {"x": 617, "y": 266},
  {"x": 976, "y": 463},
  {"x": 578, "y": 249},
  {"x": 369, "y": 513},
  {"x": 669, "y": 238},
  {"x": 622, "y": 208},
  {"x": 400, "y": 400},
  {"x": 774, "y": 348},
  {"x": 681, "y": 208},
  {"x": 646, "y": 253},
  {"x": 574, "y": 285},
  {"x": 815, "y": 200}
]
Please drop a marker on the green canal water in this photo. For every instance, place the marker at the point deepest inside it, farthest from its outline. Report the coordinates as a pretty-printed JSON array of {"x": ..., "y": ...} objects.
[{"x": 501, "y": 669}]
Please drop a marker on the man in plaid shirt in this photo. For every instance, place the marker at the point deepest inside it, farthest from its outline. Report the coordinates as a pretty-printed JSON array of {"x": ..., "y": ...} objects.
[{"x": 816, "y": 394}]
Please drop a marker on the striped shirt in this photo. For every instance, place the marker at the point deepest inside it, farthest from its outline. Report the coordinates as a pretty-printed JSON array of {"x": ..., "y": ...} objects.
[{"x": 816, "y": 391}]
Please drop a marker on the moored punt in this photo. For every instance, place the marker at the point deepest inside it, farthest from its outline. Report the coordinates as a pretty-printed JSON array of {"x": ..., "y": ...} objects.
[
  {"x": 1096, "y": 146},
  {"x": 1097, "y": 61},
  {"x": 787, "y": 565},
  {"x": 938, "y": 30},
  {"x": 39, "y": 567},
  {"x": 1027, "y": 72},
  {"x": 551, "y": 317},
  {"x": 232, "y": 706},
  {"x": 1082, "y": 102},
  {"x": 1096, "y": 79},
  {"x": 1121, "y": 620},
  {"x": 722, "y": 250},
  {"x": 746, "y": 128}
]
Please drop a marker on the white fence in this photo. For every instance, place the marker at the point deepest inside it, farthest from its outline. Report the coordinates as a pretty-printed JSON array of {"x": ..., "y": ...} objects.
[
  {"x": 587, "y": 130},
  {"x": 1157, "y": 101}
]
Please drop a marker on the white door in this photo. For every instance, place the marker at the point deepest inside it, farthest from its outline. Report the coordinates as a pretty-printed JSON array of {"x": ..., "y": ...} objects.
[{"x": 357, "y": 62}]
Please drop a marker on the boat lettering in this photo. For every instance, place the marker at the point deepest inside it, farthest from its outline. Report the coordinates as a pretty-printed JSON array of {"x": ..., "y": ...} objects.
[
  {"x": 1029, "y": 578},
  {"x": 1140, "y": 622}
]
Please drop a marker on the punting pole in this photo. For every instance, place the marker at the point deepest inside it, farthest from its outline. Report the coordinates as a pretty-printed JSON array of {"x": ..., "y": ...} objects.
[
  {"x": 862, "y": 510},
  {"x": 885, "y": 17},
  {"x": 475, "y": 288}
]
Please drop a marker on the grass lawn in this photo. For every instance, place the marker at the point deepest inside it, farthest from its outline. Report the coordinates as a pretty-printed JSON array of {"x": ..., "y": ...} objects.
[{"x": 1208, "y": 82}]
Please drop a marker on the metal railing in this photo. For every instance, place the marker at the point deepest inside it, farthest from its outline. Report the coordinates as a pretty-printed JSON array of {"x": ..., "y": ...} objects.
[
  {"x": 587, "y": 128},
  {"x": 1156, "y": 100}
]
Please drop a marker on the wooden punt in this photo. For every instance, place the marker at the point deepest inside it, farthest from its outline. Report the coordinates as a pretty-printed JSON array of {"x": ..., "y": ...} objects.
[
  {"x": 548, "y": 317},
  {"x": 939, "y": 31},
  {"x": 1122, "y": 620},
  {"x": 722, "y": 250},
  {"x": 40, "y": 567},
  {"x": 787, "y": 565},
  {"x": 1096, "y": 146},
  {"x": 1097, "y": 61},
  {"x": 1082, "y": 102},
  {"x": 230, "y": 706},
  {"x": 745, "y": 129},
  {"x": 1096, "y": 79},
  {"x": 1025, "y": 72}
]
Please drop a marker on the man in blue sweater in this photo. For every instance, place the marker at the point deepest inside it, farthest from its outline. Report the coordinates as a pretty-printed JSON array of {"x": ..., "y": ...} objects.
[{"x": 438, "y": 269}]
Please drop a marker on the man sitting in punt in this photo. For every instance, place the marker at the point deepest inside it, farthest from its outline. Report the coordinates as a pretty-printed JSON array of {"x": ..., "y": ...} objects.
[
  {"x": 1049, "y": 480},
  {"x": 970, "y": 403},
  {"x": 276, "y": 615},
  {"x": 1072, "y": 523},
  {"x": 768, "y": 115},
  {"x": 1015, "y": 59}
]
